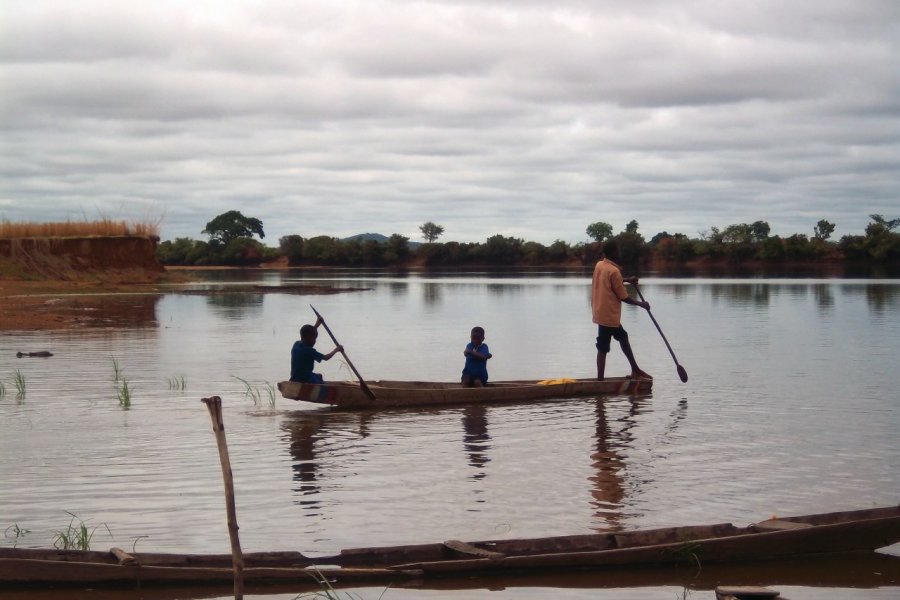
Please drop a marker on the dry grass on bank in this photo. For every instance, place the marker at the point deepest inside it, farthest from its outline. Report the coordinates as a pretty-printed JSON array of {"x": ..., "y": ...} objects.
[{"x": 101, "y": 228}]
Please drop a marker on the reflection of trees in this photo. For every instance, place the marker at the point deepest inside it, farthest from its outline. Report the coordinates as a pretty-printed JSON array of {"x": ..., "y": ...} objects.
[
  {"x": 823, "y": 295},
  {"x": 235, "y": 305},
  {"x": 754, "y": 294},
  {"x": 127, "y": 310},
  {"x": 398, "y": 288},
  {"x": 476, "y": 440},
  {"x": 878, "y": 296},
  {"x": 431, "y": 292},
  {"x": 500, "y": 289},
  {"x": 609, "y": 487}
]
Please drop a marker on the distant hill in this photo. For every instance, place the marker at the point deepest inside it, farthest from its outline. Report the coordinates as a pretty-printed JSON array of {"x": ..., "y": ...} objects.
[{"x": 381, "y": 239}]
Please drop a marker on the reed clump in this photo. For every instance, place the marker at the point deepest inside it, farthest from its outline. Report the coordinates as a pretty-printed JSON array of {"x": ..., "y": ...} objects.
[
  {"x": 327, "y": 591},
  {"x": 16, "y": 532},
  {"x": 177, "y": 382},
  {"x": 76, "y": 535},
  {"x": 256, "y": 395},
  {"x": 19, "y": 380},
  {"x": 100, "y": 228},
  {"x": 123, "y": 392}
]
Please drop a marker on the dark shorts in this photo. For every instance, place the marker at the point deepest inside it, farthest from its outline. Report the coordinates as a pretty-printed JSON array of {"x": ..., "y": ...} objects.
[
  {"x": 312, "y": 378},
  {"x": 605, "y": 334}
]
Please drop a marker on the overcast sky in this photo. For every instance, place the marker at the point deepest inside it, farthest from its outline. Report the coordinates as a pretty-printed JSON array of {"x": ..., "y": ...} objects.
[{"x": 527, "y": 118}]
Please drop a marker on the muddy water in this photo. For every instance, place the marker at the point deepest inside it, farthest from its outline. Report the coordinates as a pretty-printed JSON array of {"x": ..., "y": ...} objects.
[{"x": 791, "y": 408}]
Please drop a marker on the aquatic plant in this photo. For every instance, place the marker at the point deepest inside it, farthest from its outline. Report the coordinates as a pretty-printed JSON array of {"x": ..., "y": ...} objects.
[
  {"x": 177, "y": 383},
  {"x": 253, "y": 392},
  {"x": 2, "y": 389},
  {"x": 123, "y": 392},
  {"x": 76, "y": 536},
  {"x": 14, "y": 531},
  {"x": 328, "y": 592},
  {"x": 117, "y": 372},
  {"x": 19, "y": 380},
  {"x": 134, "y": 544},
  {"x": 249, "y": 391}
]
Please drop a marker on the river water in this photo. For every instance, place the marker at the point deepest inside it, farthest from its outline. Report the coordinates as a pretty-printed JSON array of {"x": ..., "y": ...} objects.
[{"x": 791, "y": 408}]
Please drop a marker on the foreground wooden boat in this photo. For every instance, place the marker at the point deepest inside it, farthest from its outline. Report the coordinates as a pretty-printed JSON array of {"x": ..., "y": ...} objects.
[
  {"x": 870, "y": 570},
  {"x": 820, "y": 535},
  {"x": 349, "y": 394}
]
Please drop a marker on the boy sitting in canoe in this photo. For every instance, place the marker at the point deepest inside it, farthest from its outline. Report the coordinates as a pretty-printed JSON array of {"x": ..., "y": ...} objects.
[
  {"x": 477, "y": 354},
  {"x": 304, "y": 355}
]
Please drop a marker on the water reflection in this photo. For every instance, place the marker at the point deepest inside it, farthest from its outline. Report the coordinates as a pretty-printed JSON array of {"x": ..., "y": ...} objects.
[
  {"x": 121, "y": 310},
  {"x": 757, "y": 294},
  {"x": 824, "y": 296},
  {"x": 398, "y": 288},
  {"x": 236, "y": 305},
  {"x": 314, "y": 441},
  {"x": 881, "y": 297},
  {"x": 612, "y": 441},
  {"x": 501, "y": 289},
  {"x": 305, "y": 430},
  {"x": 476, "y": 439},
  {"x": 431, "y": 292}
]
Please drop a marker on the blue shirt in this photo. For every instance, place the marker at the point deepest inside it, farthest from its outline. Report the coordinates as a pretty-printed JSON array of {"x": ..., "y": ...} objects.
[
  {"x": 475, "y": 367},
  {"x": 303, "y": 358}
]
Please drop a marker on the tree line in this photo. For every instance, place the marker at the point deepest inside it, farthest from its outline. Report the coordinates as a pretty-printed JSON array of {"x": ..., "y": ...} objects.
[{"x": 231, "y": 242}]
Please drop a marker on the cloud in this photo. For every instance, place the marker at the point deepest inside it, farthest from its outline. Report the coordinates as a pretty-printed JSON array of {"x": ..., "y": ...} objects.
[{"x": 527, "y": 118}]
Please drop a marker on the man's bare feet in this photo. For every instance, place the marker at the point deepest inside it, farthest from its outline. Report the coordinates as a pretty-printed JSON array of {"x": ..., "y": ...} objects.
[{"x": 639, "y": 374}]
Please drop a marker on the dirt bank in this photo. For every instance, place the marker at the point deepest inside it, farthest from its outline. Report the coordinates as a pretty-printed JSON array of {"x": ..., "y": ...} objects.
[
  {"x": 41, "y": 278},
  {"x": 113, "y": 258},
  {"x": 98, "y": 281}
]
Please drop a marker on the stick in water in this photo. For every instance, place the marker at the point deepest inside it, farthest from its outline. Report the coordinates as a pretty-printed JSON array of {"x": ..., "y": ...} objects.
[
  {"x": 214, "y": 404},
  {"x": 362, "y": 383}
]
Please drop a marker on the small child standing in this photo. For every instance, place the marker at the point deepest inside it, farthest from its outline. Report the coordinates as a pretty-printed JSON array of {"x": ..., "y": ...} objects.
[
  {"x": 477, "y": 354},
  {"x": 304, "y": 355}
]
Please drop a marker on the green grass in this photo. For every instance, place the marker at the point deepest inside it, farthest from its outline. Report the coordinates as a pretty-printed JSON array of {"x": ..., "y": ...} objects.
[
  {"x": 16, "y": 532},
  {"x": 177, "y": 383},
  {"x": 123, "y": 392},
  {"x": 76, "y": 535},
  {"x": 19, "y": 380},
  {"x": 270, "y": 394},
  {"x": 253, "y": 392},
  {"x": 328, "y": 592},
  {"x": 117, "y": 372}
]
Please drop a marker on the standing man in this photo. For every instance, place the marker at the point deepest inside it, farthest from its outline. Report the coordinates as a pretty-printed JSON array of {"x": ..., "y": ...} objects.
[{"x": 607, "y": 295}]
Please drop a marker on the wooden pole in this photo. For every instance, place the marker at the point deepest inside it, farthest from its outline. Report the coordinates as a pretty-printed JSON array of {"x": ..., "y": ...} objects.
[{"x": 214, "y": 404}]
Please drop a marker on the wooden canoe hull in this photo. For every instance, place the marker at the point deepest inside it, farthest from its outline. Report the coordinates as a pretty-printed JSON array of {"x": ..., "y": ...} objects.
[
  {"x": 822, "y": 535},
  {"x": 348, "y": 394}
]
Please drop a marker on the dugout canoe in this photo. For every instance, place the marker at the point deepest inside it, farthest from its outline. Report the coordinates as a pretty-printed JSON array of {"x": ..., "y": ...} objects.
[
  {"x": 810, "y": 536},
  {"x": 349, "y": 394}
]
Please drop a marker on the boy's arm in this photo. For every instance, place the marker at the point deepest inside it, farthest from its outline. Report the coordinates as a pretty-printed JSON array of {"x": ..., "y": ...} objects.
[
  {"x": 633, "y": 280},
  {"x": 337, "y": 349},
  {"x": 482, "y": 352}
]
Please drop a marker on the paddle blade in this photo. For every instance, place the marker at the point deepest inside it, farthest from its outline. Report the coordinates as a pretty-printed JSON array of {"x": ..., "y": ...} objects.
[{"x": 682, "y": 374}]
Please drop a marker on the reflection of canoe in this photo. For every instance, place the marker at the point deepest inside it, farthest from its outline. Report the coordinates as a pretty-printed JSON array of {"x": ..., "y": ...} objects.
[
  {"x": 819, "y": 535},
  {"x": 348, "y": 394}
]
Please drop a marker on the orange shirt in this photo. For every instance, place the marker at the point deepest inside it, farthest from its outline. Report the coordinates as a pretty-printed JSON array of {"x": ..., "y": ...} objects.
[{"x": 607, "y": 293}]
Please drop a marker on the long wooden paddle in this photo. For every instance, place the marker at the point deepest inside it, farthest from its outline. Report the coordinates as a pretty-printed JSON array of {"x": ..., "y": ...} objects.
[
  {"x": 682, "y": 374},
  {"x": 362, "y": 384}
]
